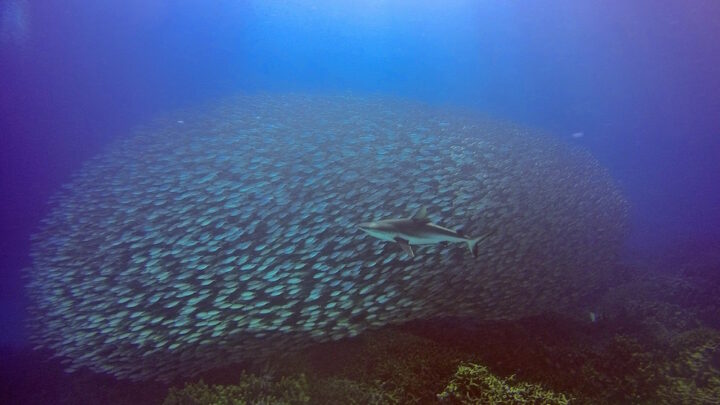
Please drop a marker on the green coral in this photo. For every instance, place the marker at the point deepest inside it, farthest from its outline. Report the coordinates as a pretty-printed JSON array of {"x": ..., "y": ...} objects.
[
  {"x": 471, "y": 383},
  {"x": 290, "y": 390},
  {"x": 251, "y": 389},
  {"x": 694, "y": 372},
  {"x": 474, "y": 384},
  {"x": 598, "y": 363}
]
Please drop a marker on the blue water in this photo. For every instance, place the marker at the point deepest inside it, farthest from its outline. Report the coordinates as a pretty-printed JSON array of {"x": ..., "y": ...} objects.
[{"x": 635, "y": 83}]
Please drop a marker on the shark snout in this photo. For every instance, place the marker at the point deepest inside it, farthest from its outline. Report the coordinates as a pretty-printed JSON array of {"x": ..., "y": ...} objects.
[{"x": 366, "y": 226}]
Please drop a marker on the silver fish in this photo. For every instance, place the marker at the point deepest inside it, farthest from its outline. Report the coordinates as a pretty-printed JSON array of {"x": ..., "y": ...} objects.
[{"x": 233, "y": 236}]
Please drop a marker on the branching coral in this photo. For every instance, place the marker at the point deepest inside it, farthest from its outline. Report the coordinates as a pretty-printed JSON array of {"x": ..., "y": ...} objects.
[
  {"x": 294, "y": 390},
  {"x": 474, "y": 384},
  {"x": 695, "y": 370},
  {"x": 251, "y": 389}
]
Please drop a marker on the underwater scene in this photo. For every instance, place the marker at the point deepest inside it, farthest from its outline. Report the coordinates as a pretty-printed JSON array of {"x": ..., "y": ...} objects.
[{"x": 359, "y": 202}]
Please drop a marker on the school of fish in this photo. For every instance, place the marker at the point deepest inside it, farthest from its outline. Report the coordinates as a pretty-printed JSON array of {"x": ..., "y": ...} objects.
[{"x": 229, "y": 232}]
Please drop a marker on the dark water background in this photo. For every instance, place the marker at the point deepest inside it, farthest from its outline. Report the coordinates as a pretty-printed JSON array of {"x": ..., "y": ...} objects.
[{"x": 640, "y": 80}]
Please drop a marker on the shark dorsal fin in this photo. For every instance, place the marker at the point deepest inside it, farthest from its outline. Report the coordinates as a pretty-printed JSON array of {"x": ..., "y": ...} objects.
[{"x": 421, "y": 215}]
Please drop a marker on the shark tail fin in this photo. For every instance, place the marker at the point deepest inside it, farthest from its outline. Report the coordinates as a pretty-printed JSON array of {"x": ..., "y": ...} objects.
[{"x": 473, "y": 243}]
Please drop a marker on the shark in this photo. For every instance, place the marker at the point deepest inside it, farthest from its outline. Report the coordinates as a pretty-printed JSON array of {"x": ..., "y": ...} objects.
[{"x": 417, "y": 230}]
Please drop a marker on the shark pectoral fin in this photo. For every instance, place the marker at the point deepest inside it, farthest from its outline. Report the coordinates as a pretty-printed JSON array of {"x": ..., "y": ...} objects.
[
  {"x": 421, "y": 215},
  {"x": 405, "y": 246}
]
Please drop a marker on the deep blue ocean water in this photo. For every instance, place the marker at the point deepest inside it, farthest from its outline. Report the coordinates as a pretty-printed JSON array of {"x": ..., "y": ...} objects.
[{"x": 636, "y": 83}]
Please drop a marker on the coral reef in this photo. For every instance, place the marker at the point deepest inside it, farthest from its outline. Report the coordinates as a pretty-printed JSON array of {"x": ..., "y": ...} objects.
[
  {"x": 608, "y": 362},
  {"x": 471, "y": 384},
  {"x": 288, "y": 390},
  {"x": 250, "y": 389},
  {"x": 474, "y": 384},
  {"x": 598, "y": 363},
  {"x": 625, "y": 371},
  {"x": 407, "y": 368},
  {"x": 380, "y": 367},
  {"x": 694, "y": 370},
  {"x": 350, "y": 392}
]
